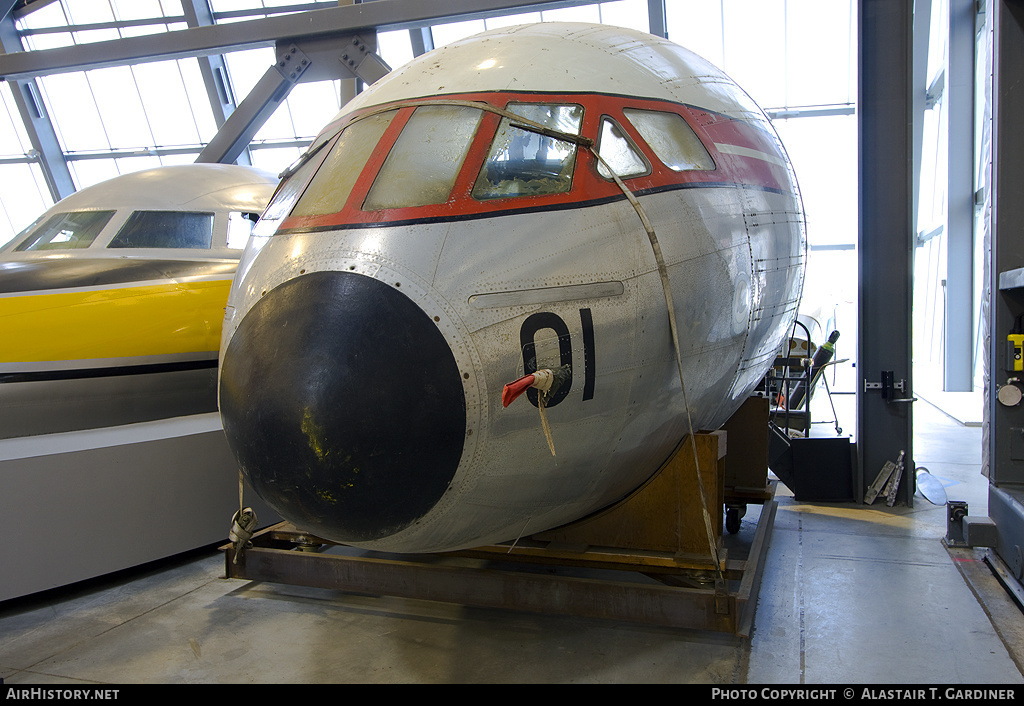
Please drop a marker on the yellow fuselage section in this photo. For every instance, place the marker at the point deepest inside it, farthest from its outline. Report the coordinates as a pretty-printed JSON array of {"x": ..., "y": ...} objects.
[{"x": 128, "y": 320}]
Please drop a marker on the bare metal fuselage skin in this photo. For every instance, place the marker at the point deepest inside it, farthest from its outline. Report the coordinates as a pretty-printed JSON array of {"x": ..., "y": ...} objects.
[{"x": 364, "y": 351}]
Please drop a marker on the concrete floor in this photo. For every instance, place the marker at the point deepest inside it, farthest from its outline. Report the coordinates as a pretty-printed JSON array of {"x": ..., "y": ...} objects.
[{"x": 850, "y": 595}]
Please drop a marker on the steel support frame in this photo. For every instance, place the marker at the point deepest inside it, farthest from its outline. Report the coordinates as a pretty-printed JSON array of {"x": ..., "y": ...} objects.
[
  {"x": 422, "y": 40},
  {"x": 234, "y": 136},
  {"x": 321, "y": 59},
  {"x": 958, "y": 104},
  {"x": 315, "y": 35},
  {"x": 238, "y": 124},
  {"x": 214, "y": 71},
  {"x": 921, "y": 94},
  {"x": 5, "y": 8},
  {"x": 1005, "y": 439},
  {"x": 656, "y": 18},
  {"x": 886, "y": 240},
  {"x": 36, "y": 120},
  {"x": 28, "y": 7},
  {"x": 379, "y": 15},
  {"x": 508, "y": 581}
]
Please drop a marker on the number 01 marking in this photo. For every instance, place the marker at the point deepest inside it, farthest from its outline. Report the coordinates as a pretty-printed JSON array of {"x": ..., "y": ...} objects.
[{"x": 548, "y": 320}]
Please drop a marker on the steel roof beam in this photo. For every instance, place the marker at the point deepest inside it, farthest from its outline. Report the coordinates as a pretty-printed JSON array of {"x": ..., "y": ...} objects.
[
  {"x": 5, "y": 8},
  {"x": 656, "y": 18},
  {"x": 28, "y": 7},
  {"x": 237, "y": 132},
  {"x": 203, "y": 41},
  {"x": 312, "y": 61},
  {"x": 38, "y": 125},
  {"x": 958, "y": 349},
  {"x": 214, "y": 71}
]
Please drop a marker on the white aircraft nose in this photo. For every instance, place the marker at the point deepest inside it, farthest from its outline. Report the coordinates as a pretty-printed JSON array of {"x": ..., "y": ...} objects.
[{"x": 344, "y": 405}]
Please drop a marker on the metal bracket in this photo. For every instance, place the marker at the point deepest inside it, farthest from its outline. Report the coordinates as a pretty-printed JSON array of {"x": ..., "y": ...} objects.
[
  {"x": 956, "y": 511},
  {"x": 721, "y": 597},
  {"x": 357, "y": 57},
  {"x": 889, "y": 386},
  {"x": 309, "y": 60},
  {"x": 292, "y": 63}
]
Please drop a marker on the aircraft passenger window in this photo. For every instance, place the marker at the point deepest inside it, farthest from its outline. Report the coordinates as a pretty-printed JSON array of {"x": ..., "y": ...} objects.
[
  {"x": 675, "y": 143},
  {"x": 331, "y": 185},
  {"x": 427, "y": 156},
  {"x": 67, "y": 231},
  {"x": 524, "y": 163},
  {"x": 617, "y": 150},
  {"x": 165, "y": 229},
  {"x": 240, "y": 227}
]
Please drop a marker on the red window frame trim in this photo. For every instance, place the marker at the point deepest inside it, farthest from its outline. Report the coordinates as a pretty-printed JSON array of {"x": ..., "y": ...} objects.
[{"x": 731, "y": 170}]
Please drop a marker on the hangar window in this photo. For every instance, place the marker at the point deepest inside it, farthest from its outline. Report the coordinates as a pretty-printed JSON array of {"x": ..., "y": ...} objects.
[
  {"x": 331, "y": 185},
  {"x": 525, "y": 163},
  {"x": 165, "y": 229},
  {"x": 422, "y": 166},
  {"x": 673, "y": 141},
  {"x": 66, "y": 231},
  {"x": 618, "y": 153}
]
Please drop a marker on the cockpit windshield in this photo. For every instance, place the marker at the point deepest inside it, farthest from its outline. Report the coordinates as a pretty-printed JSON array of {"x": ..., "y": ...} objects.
[
  {"x": 618, "y": 153},
  {"x": 314, "y": 191},
  {"x": 675, "y": 143},
  {"x": 66, "y": 231},
  {"x": 422, "y": 166},
  {"x": 526, "y": 163}
]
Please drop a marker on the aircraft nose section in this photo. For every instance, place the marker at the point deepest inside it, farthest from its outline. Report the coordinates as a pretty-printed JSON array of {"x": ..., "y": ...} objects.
[{"x": 344, "y": 406}]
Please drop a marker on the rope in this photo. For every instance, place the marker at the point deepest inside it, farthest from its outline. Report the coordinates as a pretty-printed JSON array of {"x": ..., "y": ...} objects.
[{"x": 542, "y": 405}]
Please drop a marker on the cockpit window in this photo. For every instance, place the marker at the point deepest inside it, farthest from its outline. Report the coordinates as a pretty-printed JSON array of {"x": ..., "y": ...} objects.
[
  {"x": 67, "y": 231},
  {"x": 525, "y": 163},
  {"x": 240, "y": 225},
  {"x": 165, "y": 229},
  {"x": 426, "y": 158},
  {"x": 672, "y": 140},
  {"x": 331, "y": 185},
  {"x": 618, "y": 153},
  {"x": 293, "y": 182}
]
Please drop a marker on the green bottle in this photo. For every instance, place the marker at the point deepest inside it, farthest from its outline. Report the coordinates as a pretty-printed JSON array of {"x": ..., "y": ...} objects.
[{"x": 821, "y": 357}]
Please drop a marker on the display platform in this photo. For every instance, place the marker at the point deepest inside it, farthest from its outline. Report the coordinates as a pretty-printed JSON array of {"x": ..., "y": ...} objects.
[{"x": 76, "y": 505}]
